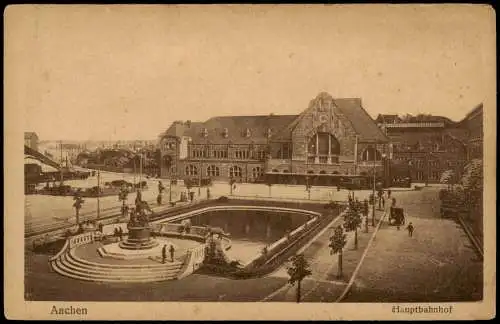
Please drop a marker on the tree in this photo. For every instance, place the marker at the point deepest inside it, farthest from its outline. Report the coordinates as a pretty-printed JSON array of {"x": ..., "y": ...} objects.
[
  {"x": 231, "y": 183},
  {"x": 365, "y": 213},
  {"x": 298, "y": 270},
  {"x": 472, "y": 179},
  {"x": 308, "y": 188},
  {"x": 448, "y": 178},
  {"x": 269, "y": 185},
  {"x": 122, "y": 196},
  {"x": 78, "y": 205},
  {"x": 352, "y": 220},
  {"x": 337, "y": 243},
  {"x": 406, "y": 118},
  {"x": 161, "y": 188}
]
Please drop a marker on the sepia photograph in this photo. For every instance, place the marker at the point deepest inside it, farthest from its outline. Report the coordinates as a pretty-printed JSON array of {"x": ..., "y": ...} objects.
[{"x": 250, "y": 162}]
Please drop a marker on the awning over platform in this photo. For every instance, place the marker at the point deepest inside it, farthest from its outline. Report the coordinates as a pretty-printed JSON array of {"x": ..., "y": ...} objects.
[{"x": 45, "y": 167}]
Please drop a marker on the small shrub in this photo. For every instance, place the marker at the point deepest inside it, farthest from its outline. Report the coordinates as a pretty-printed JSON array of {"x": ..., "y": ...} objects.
[
  {"x": 331, "y": 205},
  {"x": 223, "y": 199}
]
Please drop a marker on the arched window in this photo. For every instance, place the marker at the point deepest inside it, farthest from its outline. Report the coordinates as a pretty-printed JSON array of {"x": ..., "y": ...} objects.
[
  {"x": 235, "y": 172},
  {"x": 286, "y": 171},
  {"x": 191, "y": 170},
  {"x": 275, "y": 170},
  {"x": 213, "y": 171},
  {"x": 310, "y": 172},
  {"x": 371, "y": 154},
  {"x": 257, "y": 172},
  {"x": 323, "y": 140},
  {"x": 322, "y": 172}
]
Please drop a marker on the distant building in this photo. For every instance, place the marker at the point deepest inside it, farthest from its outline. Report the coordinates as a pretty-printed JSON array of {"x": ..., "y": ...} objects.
[
  {"x": 424, "y": 146},
  {"x": 331, "y": 138},
  {"x": 31, "y": 140},
  {"x": 472, "y": 124}
]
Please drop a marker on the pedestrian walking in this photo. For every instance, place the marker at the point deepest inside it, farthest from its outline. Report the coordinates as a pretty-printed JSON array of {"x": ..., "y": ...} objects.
[
  {"x": 172, "y": 250},
  {"x": 164, "y": 253},
  {"x": 120, "y": 233},
  {"x": 191, "y": 196},
  {"x": 208, "y": 193},
  {"x": 389, "y": 194},
  {"x": 381, "y": 201},
  {"x": 410, "y": 229}
]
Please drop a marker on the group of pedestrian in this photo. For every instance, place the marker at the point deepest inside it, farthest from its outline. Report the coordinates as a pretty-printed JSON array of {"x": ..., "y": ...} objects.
[
  {"x": 171, "y": 249},
  {"x": 118, "y": 232}
]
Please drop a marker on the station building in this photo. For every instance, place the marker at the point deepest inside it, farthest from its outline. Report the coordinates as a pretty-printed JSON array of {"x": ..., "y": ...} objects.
[{"x": 332, "y": 138}]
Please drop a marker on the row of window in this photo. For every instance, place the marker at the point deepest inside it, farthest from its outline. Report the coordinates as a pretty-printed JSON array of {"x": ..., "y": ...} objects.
[
  {"x": 322, "y": 159},
  {"x": 168, "y": 146},
  {"x": 434, "y": 175},
  {"x": 225, "y": 132},
  {"x": 214, "y": 171},
  {"x": 421, "y": 148},
  {"x": 223, "y": 154},
  {"x": 420, "y": 163}
]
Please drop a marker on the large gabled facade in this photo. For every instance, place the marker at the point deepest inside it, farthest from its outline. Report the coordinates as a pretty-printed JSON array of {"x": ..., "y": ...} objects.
[{"x": 331, "y": 138}]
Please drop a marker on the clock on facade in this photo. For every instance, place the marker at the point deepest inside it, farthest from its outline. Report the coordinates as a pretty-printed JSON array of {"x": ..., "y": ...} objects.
[{"x": 323, "y": 118}]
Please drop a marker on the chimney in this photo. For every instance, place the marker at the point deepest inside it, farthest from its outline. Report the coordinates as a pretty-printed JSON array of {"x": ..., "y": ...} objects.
[{"x": 188, "y": 123}]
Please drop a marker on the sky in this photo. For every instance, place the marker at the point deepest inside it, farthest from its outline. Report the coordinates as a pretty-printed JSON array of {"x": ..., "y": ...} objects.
[{"x": 128, "y": 72}]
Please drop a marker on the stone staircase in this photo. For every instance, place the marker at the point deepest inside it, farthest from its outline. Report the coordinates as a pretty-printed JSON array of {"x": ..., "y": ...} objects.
[{"x": 69, "y": 265}]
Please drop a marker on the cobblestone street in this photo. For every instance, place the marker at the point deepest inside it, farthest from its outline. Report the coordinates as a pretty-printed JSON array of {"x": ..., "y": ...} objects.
[{"x": 437, "y": 264}]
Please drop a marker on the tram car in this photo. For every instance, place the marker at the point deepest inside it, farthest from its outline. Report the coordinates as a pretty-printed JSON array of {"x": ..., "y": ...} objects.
[{"x": 396, "y": 216}]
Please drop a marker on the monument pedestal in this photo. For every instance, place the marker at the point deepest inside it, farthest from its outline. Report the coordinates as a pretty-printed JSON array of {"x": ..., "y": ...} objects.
[{"x": 139, "y": 238}]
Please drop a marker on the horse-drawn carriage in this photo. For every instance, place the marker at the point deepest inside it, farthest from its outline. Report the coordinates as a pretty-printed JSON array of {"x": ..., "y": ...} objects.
[{"x": 396, "y": 216}]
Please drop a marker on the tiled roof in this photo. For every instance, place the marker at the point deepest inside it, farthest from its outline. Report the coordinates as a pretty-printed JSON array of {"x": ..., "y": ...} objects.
[
  {"x": 362, "y": 123},
  {"x": 236, "y": 128}
]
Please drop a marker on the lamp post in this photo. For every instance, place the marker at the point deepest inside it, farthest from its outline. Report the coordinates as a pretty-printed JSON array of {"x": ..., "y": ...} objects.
[
  {"x": 61, "y": 165},
  {"x": 170, "y": 189},
  {"x": 98, "y": 193},
  {"x": 373, "y": 193},
  {"x": 140, "y": 173}
]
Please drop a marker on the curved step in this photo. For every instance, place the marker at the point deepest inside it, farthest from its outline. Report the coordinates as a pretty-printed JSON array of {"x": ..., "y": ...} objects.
[
  {"x": 70, "y": 271},
  {"x": 107, "y": 265},
  {"x": 80, "y": 266},
  {"x": 57, "y": 268},
  {"x": 116, "y": 272},
  {"x": 119, "y": 267}
]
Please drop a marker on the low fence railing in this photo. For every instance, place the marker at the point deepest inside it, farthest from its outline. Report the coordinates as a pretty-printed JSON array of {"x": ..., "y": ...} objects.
[
  {"x": 73, "y": 242},
  {"x": 280, "y": 245},
  {"x": 81, "y": 239},
  {"x": 194, "y": 260}
]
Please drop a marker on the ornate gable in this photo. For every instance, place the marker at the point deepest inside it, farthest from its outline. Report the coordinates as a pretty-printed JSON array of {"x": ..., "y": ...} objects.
[{"x": 323, "y": 116}]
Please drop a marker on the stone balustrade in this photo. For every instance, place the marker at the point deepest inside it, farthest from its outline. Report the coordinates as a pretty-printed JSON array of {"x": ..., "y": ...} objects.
[{"x": 81, "y": 239}]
